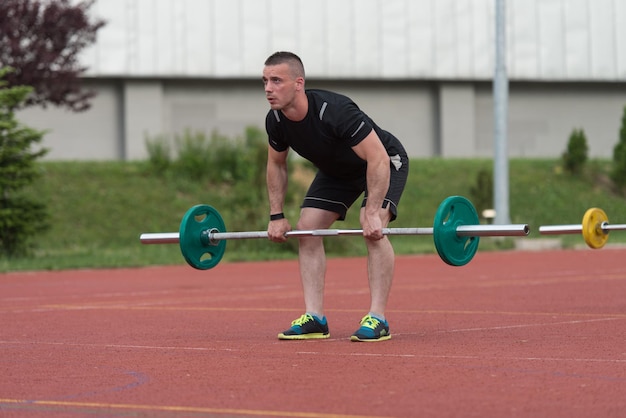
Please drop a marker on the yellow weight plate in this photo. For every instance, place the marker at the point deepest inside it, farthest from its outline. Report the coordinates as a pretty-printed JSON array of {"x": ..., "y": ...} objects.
[{"x": 594, "y": 235}]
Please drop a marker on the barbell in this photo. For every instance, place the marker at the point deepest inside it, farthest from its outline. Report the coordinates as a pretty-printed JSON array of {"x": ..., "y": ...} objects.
[
  {"x": 595, "y": 228},
  {"x": 456, "y": 230}
]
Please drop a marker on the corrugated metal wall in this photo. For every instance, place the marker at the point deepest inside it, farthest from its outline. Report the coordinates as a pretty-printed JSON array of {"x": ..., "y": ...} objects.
[{"x": 429, "y": 39}]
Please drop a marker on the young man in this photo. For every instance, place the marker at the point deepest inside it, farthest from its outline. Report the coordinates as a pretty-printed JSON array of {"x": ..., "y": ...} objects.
[{"x": 353, "y": 156}]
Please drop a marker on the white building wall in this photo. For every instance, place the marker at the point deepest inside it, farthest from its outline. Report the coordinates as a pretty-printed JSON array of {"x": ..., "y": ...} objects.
[
  {"x": 96, "y": 134},
  {"x": 542, "y": 117},
  {"x": 440, "y": 39},
  {"x": 421, "y": 68},
  {"x": 143, "y": 115}
]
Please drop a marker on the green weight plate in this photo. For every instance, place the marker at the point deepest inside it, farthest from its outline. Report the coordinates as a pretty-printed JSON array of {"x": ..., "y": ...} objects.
[
  {"x": 453, "y": 212},
  {"x": 194, "y": 241}
]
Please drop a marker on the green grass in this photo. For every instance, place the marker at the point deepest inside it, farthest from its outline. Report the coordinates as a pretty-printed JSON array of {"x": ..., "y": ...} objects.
[{"x": 99, "y": 209}]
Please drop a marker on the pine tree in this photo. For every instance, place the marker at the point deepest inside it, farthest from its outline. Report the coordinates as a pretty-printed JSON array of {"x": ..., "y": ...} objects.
[{"x": 21, "y": 216}]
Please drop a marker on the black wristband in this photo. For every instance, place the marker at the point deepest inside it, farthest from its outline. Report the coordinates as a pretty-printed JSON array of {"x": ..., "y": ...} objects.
[{"x": 277, "y": 216}]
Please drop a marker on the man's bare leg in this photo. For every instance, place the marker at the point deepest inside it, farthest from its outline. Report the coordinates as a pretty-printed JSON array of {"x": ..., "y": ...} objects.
[
  {"x": 380, "y": 269},
  {"x": 312, "y": 258}
]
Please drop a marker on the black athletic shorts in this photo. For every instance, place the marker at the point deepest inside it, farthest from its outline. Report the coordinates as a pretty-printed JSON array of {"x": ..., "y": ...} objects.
[{"x": 337, "y": 195}]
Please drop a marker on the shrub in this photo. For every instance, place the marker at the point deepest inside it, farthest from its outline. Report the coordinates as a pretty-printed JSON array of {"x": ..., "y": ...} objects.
[
  {"x": 575, "y": 157},
  {"x": 235, "y": 167},
  {"x": 482, "y": 192},
  {"x": 618, "y": 172},
  {"x": 217, "y": 160},
  {"x": 159, "y": 154},
  {"x": 194, "y": 152}
]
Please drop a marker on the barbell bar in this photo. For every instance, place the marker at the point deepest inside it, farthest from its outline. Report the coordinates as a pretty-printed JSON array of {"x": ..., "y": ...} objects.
[
  {"x": 456, "y": 231},
  {"x": 214, "y": 236},
  {"x": 594, "y": 228}
]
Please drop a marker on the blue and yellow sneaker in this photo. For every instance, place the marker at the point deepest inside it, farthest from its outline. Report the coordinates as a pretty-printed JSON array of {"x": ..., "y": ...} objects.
[
  {"x": 306, "y": 327},
  {"x": 372, "y": 329}
]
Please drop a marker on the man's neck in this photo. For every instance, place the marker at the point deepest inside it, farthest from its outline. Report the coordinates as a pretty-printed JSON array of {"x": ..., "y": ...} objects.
[{"x": 298, "y": 111}]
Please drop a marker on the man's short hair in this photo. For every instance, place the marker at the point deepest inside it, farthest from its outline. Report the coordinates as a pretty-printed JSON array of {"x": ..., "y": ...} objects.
[{"x": 284, "y": 57}]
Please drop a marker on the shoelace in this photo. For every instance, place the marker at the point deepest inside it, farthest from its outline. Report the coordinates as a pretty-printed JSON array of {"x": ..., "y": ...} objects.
[
  {"x": 302, "y": 320},
  {"x": 369, "y": 322}
]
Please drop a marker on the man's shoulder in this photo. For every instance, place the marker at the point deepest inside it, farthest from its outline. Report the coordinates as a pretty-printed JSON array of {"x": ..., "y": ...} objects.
[
  {"x": 272, "y": 117},
  {"x": 333, "y": 105},
  {"x": 326, "y": 95}
]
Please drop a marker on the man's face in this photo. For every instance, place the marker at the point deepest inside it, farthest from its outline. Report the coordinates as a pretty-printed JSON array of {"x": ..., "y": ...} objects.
[{"x": 280, "y": 86}]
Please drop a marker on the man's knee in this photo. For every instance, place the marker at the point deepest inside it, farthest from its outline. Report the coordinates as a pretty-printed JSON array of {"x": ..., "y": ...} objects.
[{"x": 313, "y": 218}]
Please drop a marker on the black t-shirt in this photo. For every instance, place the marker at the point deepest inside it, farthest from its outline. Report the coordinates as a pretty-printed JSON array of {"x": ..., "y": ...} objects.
[{"x": 326, "y": 135}]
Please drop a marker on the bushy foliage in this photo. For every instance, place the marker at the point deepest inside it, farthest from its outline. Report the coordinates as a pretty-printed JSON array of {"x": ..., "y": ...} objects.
[
  {"x": 21, "y": 217},
  {"x": 41, "y": 40},
  {"x": 217, "y": 159},
  {"x": 618, "y": 173},
  {"x": 235, "y": 166},
  {"x": 159, "y": 154},
  {"x": 575, "y": 157},
  {"x": 482, "y": 192}
]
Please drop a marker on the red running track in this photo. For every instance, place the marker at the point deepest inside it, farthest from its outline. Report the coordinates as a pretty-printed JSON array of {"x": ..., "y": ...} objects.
[{"x": 512, "y": 334}]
